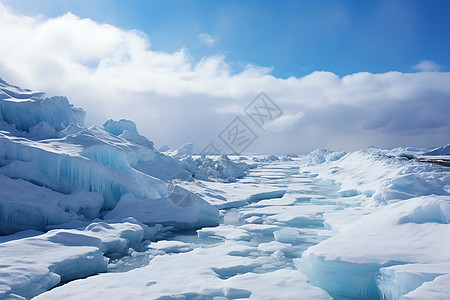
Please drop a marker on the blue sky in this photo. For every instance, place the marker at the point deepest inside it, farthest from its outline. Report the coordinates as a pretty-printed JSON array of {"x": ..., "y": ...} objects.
[
  {"x": 345, "y": 74},
  {"x": 293, "y": 38}
]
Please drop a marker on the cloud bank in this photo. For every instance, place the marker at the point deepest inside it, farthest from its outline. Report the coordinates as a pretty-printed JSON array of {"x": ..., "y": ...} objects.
[{"x": 112, "y": 72}]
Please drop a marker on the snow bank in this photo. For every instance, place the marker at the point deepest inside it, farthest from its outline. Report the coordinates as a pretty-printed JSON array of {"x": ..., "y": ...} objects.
[
  {"x": 33, "y": 265},
  {"x": 405, "y": 232},
  {"x": 181, "y": 209},
  {"x": 15, "y": 103},
  {"x": 381, "y": 178},
  {"x": 320, "y": 156}
]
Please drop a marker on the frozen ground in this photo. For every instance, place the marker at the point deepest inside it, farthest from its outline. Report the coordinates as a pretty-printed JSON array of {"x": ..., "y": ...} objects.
[{"x": 99, "y": 213}]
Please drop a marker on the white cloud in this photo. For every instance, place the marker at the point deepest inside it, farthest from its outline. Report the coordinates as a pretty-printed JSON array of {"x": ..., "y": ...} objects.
[
  {"x": 427, "y": 66},
  {"x": 114, "y": 73},
  {"x": 284, "y": 122},
  {"x": 206, "y": 39}
]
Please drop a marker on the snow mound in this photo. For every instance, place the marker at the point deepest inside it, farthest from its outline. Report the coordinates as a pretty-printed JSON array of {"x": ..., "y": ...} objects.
[
  {"x": 347, "y": 269},
  {"x": 380, "y": 177},
  {"x": 321, "y": 156},
  {"x": 181, "y": 209},
  {"x": 221, "y": 168},
  {"x": 444, "y": 150},
  {"x": 33, "y": 265},
  {"x": 15, "y": 103},
  {"x": 185, "y": 150}
]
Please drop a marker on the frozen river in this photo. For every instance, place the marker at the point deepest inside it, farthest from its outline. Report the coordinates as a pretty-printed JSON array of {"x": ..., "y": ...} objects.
[{"x": 250, "y": 253}]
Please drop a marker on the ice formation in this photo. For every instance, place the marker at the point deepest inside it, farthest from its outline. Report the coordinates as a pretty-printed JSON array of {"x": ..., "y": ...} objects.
[
  {"x": 180, "y": 208},
  {"x": 15, "y": 103},
  {"x": 76, "y": 203},
  {"x": 44, "y": 144},
  {"x": 388, "y": 202},
  {"x": 444, "y": 150},
  {"x": 61, "y": 255}
]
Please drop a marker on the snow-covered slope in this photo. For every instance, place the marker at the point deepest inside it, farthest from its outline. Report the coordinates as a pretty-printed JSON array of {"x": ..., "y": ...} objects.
[
  {"x": 444, "y": 150},
  {"x": 396, "y": 212}
]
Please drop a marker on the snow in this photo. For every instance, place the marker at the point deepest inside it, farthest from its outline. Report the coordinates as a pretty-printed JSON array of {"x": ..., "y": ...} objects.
[
  {"x": 444, "y": 150},
  {"x": 221, "y": 168},
  {"x": 26, "y": 206},
  {"x": 103, "y": 206},
  {"x": 180, "y": 208},
  {"x": 33, "y": 265},
  {"x": 320, "y": 156},
  {"x": 395, "y": 281},
  {"x": 397, "y": 202},
  {"x": 197, "y": 273},
  {"x": 438, "y": 289},
  {"x": 55, "y": 111}
]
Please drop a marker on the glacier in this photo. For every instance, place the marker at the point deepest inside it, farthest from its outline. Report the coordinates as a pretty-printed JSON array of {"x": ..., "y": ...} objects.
[{"x": 99, "y": 212}]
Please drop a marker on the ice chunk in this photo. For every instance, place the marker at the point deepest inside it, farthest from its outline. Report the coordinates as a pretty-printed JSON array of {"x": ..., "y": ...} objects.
[
  {"x": 26, "y": 109},
  {"x": 227, "y": 232},
  {"x": 171, "y": 246},
  {"x": 180, "y": 208},
  {"x": 136, "y": 138},
  {"x": 91, "y": 160},
  {"x": 397, "y": 281},
  {"x": 286, "y": 235},
  {"x": 27, "y": 206},
  {"x": 184, "y": 150},
  {"x": 348, "y": 269},
  {"x": 195, "y": 274},
  {"x": 438, "y": 289},
  {"x": 118, "y": 127},
  {"x": 221, "y": 169},
  {"x": 164, "y": 148},
  {"x": 33, "y": 265},
  {"x": 43, "y": 130},
  {"x": 320, "y": 156}
]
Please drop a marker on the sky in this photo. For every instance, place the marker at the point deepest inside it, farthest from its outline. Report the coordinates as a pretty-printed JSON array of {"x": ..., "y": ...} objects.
[{"x": 342, "y": 75}]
